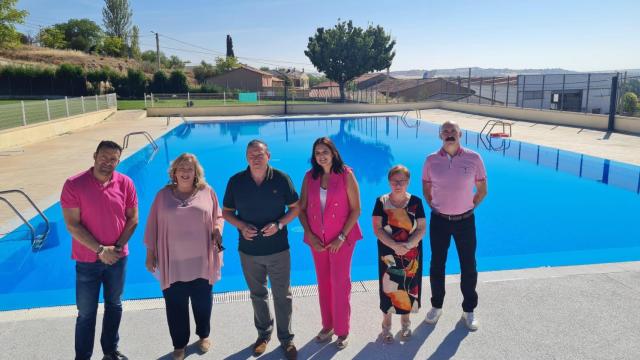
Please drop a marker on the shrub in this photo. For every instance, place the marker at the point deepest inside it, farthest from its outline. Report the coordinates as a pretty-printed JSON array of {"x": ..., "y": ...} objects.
[{"x": 629, "y": 103}]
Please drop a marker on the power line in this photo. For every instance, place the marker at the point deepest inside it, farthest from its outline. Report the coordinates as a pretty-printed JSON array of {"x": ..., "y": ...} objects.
[{"x": 259, "y": 60}]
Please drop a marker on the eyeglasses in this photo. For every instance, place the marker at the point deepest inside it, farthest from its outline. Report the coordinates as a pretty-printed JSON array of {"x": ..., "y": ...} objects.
[{"x": 398, "y": 182}]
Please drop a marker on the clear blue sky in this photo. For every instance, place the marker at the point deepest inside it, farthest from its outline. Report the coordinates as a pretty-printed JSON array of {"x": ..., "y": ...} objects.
[{"x": 573, "y": 34}]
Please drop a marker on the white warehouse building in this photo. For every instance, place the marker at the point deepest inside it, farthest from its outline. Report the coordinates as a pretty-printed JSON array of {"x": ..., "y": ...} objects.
[{"x": 569, "y": 92}]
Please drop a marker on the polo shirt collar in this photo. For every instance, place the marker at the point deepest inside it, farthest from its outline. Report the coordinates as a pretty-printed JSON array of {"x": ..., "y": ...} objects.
[
  {"x": 444, "y": 153},
  {"x": 114, "y": 177},
  {"x": 269, "y": 172}
]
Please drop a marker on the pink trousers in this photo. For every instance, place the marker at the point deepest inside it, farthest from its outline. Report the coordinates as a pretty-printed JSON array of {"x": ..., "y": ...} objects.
[{"x": 333, "y": 272}]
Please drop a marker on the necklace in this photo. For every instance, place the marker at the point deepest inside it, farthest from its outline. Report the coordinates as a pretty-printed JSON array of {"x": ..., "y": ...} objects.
[{"x": 184, "y": 198}]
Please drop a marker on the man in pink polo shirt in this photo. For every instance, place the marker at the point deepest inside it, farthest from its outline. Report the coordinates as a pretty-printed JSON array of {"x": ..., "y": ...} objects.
[
  {"x": 448, "y": 178},
  {"x": 100, "y": 209}
]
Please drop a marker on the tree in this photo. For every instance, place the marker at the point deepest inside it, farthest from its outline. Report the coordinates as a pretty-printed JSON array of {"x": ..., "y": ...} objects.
[
  {"x": 52, "y": 37},
  {"x": 346, "y": 52},
  {"x": 315, "y": 80},
  {"x": 633, "y": 86},
  {"x": 178, "y": 82},
  {"x": 136, "y": 83},
  {"x": 135, "y": 43},
  {"x": 226, "y": 64},
  {"x": 150, "y": 56},
  {"x": 9, "y": 16},
  {"x": 80, "y": 34},
  {"x": 629, "y": 103},
  {"x": 112, "y": 46},
  {"x": 116, "y": 17},
  {"x": 174, "y": 62},
  {"x": 230, "y": 47},
  {"x": 159, "y": 82},
  {"x": 203, "y": 71},
  {"x": 71, "y": 78}
]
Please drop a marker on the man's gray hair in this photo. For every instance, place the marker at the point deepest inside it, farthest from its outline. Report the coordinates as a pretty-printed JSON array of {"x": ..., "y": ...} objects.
[{"x": 449, "y": 122}]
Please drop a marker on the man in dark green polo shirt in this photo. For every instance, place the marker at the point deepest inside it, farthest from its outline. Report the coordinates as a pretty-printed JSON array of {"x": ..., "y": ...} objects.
[{"x": 260, "y": 201}]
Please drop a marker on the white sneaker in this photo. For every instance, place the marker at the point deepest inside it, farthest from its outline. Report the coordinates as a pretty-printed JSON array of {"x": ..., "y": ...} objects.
[
  {"x": 433, "y": 315},
  {"x": 470, "y": 321}
]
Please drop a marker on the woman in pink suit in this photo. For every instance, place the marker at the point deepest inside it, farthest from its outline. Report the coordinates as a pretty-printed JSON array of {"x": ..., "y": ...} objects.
[{"x": 330, "y": 207}]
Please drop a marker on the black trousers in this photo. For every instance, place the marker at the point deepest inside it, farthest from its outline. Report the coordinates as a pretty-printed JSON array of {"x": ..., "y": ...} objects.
[
  {"x": 464, "y": 235},
  {"x": 176, "y": 299}
]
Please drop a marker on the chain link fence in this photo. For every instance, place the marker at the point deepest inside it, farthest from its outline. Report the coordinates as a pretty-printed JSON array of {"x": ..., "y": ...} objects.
[{"x": 29, "y": 112}]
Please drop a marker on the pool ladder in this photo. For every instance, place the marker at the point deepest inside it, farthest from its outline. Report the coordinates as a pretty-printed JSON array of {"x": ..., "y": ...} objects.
[
  {"x": 37, "y": 240},
  {"x": 406, "y": 112},
  {"x": 491, "y": 124},
  {"x": 403, "y": 118},
  {"x": 184, "y": 120},
  {"x": 504, "y": 137},
  {"x": 125, "y": 141}
]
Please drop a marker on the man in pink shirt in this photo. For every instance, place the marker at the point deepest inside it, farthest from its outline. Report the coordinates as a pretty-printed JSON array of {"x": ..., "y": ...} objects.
[
  {"x": 100, "y": 209},
  {"x": 448, "y": 178}
]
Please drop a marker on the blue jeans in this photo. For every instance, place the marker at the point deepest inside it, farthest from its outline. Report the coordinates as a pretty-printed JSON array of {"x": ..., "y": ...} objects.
[{"x": 89, "y": 278}]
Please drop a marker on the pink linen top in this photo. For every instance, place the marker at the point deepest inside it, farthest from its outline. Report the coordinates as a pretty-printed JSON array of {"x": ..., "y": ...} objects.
[
  {"x": 328, "y": 224},
  {"x": 180, "y": 234},
  {"x": 453, "y": 179},
  {"x": 102, "y": 209}
]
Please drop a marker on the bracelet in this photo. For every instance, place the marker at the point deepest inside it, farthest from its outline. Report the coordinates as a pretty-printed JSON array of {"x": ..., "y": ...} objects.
[
  {"x": 280, "y": 225},
  {"x": 341, "y": 237}
]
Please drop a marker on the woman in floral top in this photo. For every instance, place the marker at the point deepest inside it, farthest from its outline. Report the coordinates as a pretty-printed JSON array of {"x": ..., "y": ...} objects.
[{"x": 399, "y": 224}]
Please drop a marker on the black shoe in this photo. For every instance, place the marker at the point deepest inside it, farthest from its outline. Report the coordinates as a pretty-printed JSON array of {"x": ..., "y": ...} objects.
[
  {"x": 290, "y": 351},
  {"x": 115, "y": 355}
]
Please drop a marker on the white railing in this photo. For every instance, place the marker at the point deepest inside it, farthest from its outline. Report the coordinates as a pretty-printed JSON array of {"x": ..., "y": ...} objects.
[{"x": 23, "y": 113}]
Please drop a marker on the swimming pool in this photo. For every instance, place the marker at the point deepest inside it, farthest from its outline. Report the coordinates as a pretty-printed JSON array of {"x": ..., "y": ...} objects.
[{"x": 545, "y": 207}]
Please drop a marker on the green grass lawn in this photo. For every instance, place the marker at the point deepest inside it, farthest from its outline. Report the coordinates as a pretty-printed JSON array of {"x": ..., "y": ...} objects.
[
  {"x": 139, "y": 104},
  {"x": 35, "y": 111}
]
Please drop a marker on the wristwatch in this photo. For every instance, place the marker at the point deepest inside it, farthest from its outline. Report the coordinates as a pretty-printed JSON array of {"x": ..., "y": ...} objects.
[
  {"x": 100, "y": 250},
  {"x": 342, "y": 237},
  {"x": 280, "y": 225},
  {"x": 117, "y": 247}
]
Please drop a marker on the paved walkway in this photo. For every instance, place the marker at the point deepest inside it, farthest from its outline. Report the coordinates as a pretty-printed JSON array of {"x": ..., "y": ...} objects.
[{"x": 577, "y": 312}]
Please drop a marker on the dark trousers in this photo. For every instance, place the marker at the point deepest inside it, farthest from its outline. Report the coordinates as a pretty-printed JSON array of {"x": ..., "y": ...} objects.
[
  {"x": 464, "y": 235},
  {"x": 176, "y": 299},
  {"x": 89, "y": 278},
  {"x": 277, "y": 267}
]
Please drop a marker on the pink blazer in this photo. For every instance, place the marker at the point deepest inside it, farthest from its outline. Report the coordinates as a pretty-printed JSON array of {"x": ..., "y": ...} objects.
[{"x": 328, "y": 224}]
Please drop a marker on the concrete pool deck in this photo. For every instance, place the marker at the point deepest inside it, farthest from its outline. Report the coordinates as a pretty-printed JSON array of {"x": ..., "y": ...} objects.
[
  {"x": 574, "y": 312},
  {"x": 583, "y": 312}
]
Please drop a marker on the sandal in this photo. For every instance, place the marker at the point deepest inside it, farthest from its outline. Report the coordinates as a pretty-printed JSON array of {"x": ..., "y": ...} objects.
[
  {"x": 386, "y": 335},
  {"x": 324, "y": 336},
  {"x": 342, "y": 342},
  {"x": 405, "y": 332}
]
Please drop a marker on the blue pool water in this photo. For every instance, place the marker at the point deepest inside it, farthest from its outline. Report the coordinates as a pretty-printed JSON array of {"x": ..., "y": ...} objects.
[{"x": 545, "y": 207}]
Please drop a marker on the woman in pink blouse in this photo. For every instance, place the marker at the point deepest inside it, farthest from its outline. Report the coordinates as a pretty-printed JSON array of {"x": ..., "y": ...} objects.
[
  {"x": 329, "y": 211},
  {"x": 183, "y": 240}
]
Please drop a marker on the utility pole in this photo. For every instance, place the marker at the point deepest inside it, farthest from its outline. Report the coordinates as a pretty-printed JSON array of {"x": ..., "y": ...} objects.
[{"x": 157, "y": 50}]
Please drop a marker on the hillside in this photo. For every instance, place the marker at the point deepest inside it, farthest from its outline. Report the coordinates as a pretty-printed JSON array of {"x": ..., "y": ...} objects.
[{"x": 38, "y": 56}]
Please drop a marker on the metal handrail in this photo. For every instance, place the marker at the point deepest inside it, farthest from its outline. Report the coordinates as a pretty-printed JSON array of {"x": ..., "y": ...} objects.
[
  {"x": 505, "y": 145},
  {"x": 36, "y": 241},
  {"x": 495, "y": 123},
  {"x": 406, "y": 112},
  {"x": 175, "y": 115},
  {"x": 125, "y": 141}
]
